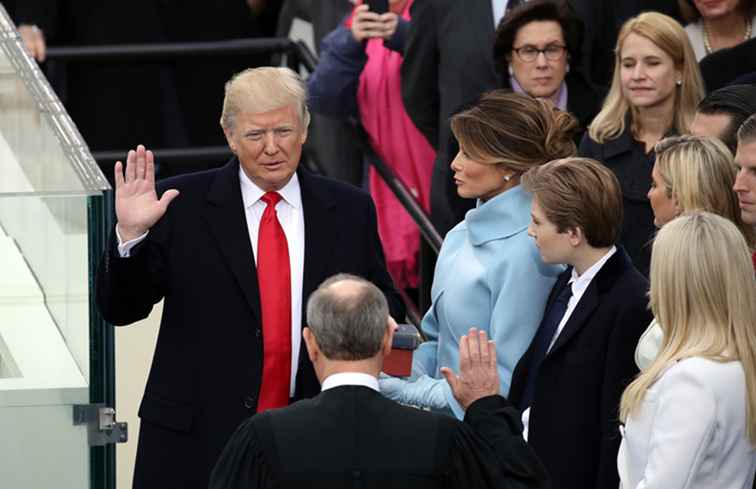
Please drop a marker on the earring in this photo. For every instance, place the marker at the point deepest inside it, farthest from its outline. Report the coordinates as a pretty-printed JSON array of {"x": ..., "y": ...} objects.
[
  {"x": 679, "y": 83},
  {"x": 507, "y": 178},
  {"x": 567, "y": 68},
  {"x": 511, "y": 70}
]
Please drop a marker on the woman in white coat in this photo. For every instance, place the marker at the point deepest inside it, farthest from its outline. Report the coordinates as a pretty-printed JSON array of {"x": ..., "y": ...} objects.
[{"x": 690, "y": 418}]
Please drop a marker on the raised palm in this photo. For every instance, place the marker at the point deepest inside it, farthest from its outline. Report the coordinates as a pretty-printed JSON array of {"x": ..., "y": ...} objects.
[{"x": 137, "y": 205}]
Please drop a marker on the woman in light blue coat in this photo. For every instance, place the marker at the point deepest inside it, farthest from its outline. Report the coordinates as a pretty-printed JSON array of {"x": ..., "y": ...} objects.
[{"x": 489, "y": 274}]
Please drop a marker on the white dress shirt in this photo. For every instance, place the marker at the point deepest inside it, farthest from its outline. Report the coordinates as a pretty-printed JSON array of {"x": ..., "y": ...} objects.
[
  {"x": 499, "y": 9},
  {"x": 291, "y": 217},
  {"x": 579, "y": 284},
  {"x": 350, "y": 378}
]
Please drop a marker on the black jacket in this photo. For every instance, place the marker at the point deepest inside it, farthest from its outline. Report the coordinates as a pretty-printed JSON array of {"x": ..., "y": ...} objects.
[
  {"x": 207, "y": 368},
  {"x": 448, "y": 62},
  {"x": 573, "y": 425},
  {"x": 352, "y": 437}
]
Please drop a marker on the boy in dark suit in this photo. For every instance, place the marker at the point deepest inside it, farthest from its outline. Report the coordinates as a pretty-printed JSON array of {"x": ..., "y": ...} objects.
[
  {"x": 569, "y": 381},
  {"x": 351, "y": 436}
]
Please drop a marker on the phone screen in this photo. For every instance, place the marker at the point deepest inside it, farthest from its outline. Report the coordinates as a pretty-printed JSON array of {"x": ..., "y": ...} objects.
[{"x": 378, "y": 6}]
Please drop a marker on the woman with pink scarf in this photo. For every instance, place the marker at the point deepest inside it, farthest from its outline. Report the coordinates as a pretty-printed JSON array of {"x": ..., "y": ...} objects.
[{"x": 358, "y": 76}]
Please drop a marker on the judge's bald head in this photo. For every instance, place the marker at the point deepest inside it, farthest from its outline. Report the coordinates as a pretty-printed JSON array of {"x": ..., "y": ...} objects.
[{"x": 348, "y": 317}]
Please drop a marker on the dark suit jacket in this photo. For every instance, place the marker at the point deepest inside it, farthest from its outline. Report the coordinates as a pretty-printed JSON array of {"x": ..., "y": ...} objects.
[
  {"x": 573, "y": 423},
  {"x": 352, "y": 437},
  {"x": 723, "y": 67},
  {"x": 448, "y": 62},
  {"x": 207, "y": 368},
  {"x": 628, "y": 159}
]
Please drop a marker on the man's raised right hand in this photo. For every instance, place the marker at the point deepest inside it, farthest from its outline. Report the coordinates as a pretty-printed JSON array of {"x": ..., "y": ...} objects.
[{"x": 137, "y": 205}]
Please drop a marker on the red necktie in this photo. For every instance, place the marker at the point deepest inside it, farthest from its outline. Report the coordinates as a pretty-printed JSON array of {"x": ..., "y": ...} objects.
[{"x": 274, "y": 279}]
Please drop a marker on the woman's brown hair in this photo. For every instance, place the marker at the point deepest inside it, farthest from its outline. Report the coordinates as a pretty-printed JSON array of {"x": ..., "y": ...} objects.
[{"x": 514, "y": 130}]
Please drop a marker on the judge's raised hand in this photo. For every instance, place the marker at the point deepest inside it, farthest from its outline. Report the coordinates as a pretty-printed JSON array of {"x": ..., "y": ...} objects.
[
  {"x": 137, "y": 205},
  {"x": 478, "y": 376}
]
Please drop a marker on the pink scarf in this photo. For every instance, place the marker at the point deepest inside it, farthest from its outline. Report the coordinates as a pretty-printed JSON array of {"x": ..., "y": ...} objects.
[{"x": 401, "y": 146}]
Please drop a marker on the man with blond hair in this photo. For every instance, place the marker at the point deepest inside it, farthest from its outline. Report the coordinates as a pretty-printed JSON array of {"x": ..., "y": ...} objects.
[{"x": 234, "y": 252}]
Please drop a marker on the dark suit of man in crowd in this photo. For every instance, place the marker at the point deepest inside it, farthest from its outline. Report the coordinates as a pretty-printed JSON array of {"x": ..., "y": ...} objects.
[
  {"x": 448, "y": 62},
  {"x": 225, "y": 258},
  {"x": 350, "y": 436},
  {"x": 333, "y": 143},
  {"x": 570, "y": 380}
]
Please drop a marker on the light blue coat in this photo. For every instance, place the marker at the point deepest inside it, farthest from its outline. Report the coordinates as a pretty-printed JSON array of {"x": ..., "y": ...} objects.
[{"x": 489, "y": 275}]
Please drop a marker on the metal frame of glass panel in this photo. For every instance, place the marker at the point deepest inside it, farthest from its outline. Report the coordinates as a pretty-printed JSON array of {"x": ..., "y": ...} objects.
[{"x": 81, "y": 192}]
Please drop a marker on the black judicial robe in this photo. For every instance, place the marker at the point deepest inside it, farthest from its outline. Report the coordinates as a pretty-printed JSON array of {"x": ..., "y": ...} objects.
[{"x": 351, "y": 436}]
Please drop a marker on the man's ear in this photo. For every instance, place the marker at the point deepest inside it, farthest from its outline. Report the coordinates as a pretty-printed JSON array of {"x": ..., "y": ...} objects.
[
  {"x": 303, "y": 138},
  {"x": 313, "y": 350},
  {"x": 388, "y": 336},
  {"x": 230, "y": 139},
  {"x": 576, "y": 236}
]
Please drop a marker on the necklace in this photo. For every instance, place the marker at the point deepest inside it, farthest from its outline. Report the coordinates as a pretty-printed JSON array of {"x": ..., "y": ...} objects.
[{"x": 707, "y": 44}]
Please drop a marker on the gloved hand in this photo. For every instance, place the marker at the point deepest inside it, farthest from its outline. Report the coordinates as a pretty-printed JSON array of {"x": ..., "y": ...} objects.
[{"x": 422, "y": 391}]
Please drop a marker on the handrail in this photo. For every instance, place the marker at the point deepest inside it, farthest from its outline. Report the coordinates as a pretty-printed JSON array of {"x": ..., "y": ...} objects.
[
  {"x": 262, "y": 45},
  {"x": 400, "y": 191},
  {"x": 162, "y": 155}
]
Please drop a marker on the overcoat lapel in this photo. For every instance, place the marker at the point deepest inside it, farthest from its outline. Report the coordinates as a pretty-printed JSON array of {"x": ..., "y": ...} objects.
[
  {"x": 320, "y": 234},
  {"x": 601, "y": 283},
  {"x": 482, "y": 16},
  {"x": 227, "y": 221},
  {"x": 579, "y": 317}
]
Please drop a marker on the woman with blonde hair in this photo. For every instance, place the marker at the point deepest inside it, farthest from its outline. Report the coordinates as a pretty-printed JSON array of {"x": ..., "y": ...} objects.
[
  {"x": 690, "y": 418},
  {"x": 690, "y": 173},
  {"x": 695, "y": 173},
  {"x": 489, "y": 273},
  {"x": 654, "y": 93}
]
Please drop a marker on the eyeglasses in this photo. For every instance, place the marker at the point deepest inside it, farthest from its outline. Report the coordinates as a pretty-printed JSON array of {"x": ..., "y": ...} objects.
[{"x": 528, "y": 53}]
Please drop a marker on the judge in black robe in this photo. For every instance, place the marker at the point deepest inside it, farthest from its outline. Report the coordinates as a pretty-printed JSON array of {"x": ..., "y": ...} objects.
[{"x": 350, "y": 436}]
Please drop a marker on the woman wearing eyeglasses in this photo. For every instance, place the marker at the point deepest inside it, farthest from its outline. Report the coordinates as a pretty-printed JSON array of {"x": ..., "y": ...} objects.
[
  {"x": 537, "y": 49},
  {"x": 654, "y": 93}
]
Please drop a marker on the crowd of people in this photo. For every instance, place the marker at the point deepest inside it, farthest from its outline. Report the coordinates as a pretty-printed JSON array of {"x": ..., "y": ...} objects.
[{"x": 599, "y": 236}]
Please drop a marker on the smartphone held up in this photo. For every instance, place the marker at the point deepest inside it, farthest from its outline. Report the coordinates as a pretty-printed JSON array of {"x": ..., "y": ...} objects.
[{"x": 378, "y": 6}]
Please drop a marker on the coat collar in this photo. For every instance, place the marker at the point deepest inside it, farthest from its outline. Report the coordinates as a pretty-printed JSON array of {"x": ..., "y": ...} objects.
[
  {"x": 625, "y": 141},
  {"x": 320, "y": 230},
  {"x": 226, "y": 219},
  {"x": 604, "y": 280},
  {"x": 500, "y": 217},
  {"x": 621, "y": 144}
]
